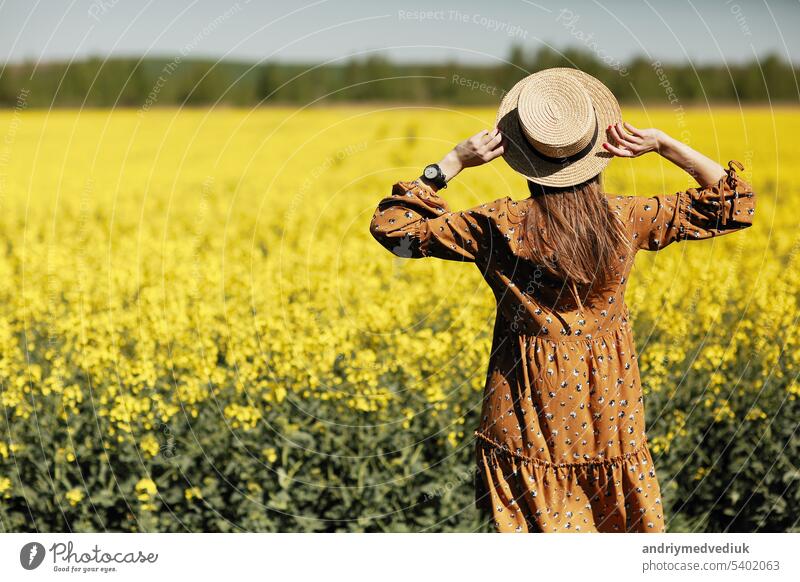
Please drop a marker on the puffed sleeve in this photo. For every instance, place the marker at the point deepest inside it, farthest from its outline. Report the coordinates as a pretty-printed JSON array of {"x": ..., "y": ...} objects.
[
  {"x": 698, "y": 213},
  {"x": 416, "y": 222}
]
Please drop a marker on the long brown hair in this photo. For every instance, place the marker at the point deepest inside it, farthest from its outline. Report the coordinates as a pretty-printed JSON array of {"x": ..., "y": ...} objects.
[{"x": 573, "y": 234}]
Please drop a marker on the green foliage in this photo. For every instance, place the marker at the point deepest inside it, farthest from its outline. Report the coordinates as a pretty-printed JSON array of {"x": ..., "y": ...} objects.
[
  {"x": 358, "y": 479},
  {"x": 732, "y": 474},
  {"x": 159, "y": 82},
  {"x": 373, "y": 476}
]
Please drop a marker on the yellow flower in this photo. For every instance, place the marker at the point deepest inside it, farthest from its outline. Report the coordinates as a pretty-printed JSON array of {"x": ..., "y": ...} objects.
[
  {"x": 453, "y": 438},
  {"x": 723, "y": 411},
  {"x": 193, "y": 493},
  {"x": 755, "y": 413},
  {"x": 74, "y": 496},
  {"x": 793, "y": 388},
  {"x": 5, "y": 486},
  {"x": 244, "y": 417},
  {"x": 149, "y": 445},
  {"x": 270, "y": 454},
  {"x": 145, "y": 489}
]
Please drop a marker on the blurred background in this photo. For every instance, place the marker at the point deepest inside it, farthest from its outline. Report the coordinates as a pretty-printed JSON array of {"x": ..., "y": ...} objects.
[
  {"x": 107, "y": 53},
  {"x": 198, "y": 333}
]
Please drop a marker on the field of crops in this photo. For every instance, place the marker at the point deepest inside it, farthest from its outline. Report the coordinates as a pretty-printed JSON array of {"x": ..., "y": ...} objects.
[{"x": 197, "y": 331}]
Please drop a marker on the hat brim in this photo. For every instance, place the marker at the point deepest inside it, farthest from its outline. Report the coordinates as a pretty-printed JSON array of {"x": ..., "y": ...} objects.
[{"x": 523, "y": 158}]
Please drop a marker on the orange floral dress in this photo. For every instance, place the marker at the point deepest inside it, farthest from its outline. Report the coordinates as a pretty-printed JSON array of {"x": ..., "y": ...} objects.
[{"x": 561, "y": 445}]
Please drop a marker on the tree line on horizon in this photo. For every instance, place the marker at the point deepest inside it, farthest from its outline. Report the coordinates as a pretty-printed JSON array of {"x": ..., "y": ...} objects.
[{"x": 160, "y": 82}]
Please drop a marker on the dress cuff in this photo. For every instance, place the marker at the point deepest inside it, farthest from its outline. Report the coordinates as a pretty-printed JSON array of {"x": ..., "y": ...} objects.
[
  {"x": 424, "y": 196},
  {"x": 727, "y": 200}
]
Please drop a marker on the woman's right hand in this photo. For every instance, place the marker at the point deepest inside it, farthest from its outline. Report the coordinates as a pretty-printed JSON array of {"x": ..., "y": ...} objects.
[{"x": 634, "y": 142}]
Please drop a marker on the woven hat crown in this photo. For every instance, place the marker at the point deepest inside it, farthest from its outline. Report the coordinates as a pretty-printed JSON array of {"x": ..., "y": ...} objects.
[
  {"x": 556, "y": 115},
  {"x": 554, "y": 124}
]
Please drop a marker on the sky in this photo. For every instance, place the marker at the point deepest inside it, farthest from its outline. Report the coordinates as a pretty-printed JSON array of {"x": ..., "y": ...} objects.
[{"x": 701, "y": 31}]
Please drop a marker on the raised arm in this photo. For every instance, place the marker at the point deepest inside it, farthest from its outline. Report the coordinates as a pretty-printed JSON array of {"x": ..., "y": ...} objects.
[
  {"x": 415, "y": 221},
  {"x": 635, "y": 142},
  {"x": 723, "y": 203},
  {"x": 481, "y": 148}
]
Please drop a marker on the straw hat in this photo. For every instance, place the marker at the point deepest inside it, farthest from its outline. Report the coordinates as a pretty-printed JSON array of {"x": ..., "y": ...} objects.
[{"x": 554, "y": 123}]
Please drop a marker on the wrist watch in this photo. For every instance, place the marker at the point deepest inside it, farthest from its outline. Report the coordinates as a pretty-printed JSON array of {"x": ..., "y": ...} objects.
[{"x": 433, "y": 174}]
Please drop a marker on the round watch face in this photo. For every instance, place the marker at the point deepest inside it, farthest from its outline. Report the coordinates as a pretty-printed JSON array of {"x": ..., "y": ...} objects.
[{"x": 431, "y": 172}]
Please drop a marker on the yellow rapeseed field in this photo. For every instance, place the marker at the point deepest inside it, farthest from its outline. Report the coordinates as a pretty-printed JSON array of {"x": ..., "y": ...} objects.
[{"x": 184, "y": 288}]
